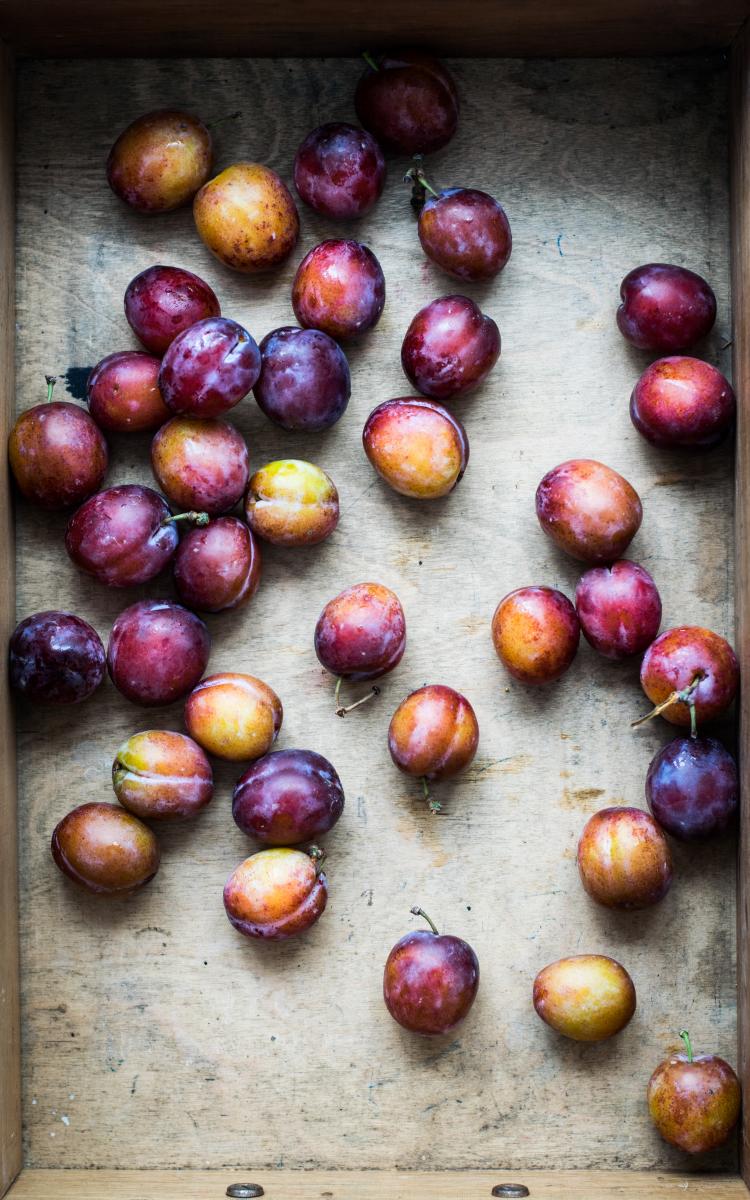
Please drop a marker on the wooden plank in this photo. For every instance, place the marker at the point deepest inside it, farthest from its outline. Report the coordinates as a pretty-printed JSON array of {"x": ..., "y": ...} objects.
[
  {"x": 10, "y": 1063},
  {"x": 374, "y": 1185},
  {"x": 153, "y": 1034},
  {"x": 85, "y": 28}
]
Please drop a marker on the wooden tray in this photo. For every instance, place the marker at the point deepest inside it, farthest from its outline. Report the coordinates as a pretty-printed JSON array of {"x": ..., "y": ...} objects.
[{"x": 163, "y": 1056}]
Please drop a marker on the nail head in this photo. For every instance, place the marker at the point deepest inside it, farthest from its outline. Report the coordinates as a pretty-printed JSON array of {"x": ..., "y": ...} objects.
[
  {"x": 244, "y": 1191},
  {"x": 510, "y": 1189}
]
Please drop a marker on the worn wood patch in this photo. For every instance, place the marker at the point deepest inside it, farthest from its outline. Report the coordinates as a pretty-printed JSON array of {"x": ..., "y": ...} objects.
[{"x": 154, "y": 1036}]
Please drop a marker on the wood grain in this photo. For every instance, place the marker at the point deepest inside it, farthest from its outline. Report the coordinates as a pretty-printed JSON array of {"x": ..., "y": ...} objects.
[
  {"x": 375, "y": 1185},
  {"x": 154, "y": 1036},
  {"x": 84, "y": 28}
]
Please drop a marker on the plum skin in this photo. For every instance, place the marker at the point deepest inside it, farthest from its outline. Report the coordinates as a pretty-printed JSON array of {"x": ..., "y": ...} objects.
[
  {"x": 430, "y": 982},
  {"x": 588, "y": 510},
  {"x": 619, "y": 609},
  {"x": 233, "y": 716},
  {"x": 339, "y": 287},
  {"x": 157, "y": 652},
  {"x": 466, "y": 233},
  {"x": 304, "y": 382},
  {"x": 123, "y": 394},
  {"x": 275, "y": 894},
  {"x": 158, "y": 163},
  {"x": 587, "y": 997},
  {"x": 209, "y": 368},
  {"x": 339, "y": 171},
  {"x": 665, "y": 308},
  {"x": 409, "y": 103},
  {"x": 122, "y": 536},
  {"x": 361, "y": 633},
  {"x": 535, "y": 632},
  {"x": 288, "y": 797},
  {"x": 55, "y": 658},
  {"x": 292, "y": 503},
  {"x": 247, "y": 218},
  {"x": 418, "y": 447},
  {"x": 434, "y": 733},
  {"x": 449, "y": 348},
  {"x": 217, "y": 568},
  {"x": 200, "y": 463},
  {"x": 692, "y": 788},
  {"x": 624, "y": 859},
  {"x": 162, "y": 301},
  {"x": 682, "y": 401},
  {"x": 160, "y": 775},
  {"x": 695, "y": 1104},
  {"x": 105, "y": 850},
  {"x": 57, "y": 454},
  {"x": 681, "y": 656}
]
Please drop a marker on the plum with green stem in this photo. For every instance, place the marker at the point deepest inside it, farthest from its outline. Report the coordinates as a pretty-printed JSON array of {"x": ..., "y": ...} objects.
[
  {"x": 408, "y": 100},
  {"x": 57, "y": 452},
  {"x": 463, "y": 230},
  {"x": 430, "y": 980},
  {"x": 694, "y": 1100}
]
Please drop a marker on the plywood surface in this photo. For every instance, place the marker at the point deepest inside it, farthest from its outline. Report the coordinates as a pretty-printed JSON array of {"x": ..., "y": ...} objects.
[{"x": 154, "y": 1036}]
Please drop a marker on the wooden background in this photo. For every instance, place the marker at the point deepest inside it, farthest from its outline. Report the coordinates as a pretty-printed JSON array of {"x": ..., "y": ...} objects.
[{"x": 154, "y": 1035}]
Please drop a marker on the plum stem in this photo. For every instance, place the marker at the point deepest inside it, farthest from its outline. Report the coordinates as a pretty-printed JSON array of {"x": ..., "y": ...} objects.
[
  {"x": 420, "y": 912},
  {"x": 341, "y": 710},
  {"x": 419, "y": 185},
  {"x": 434, "y": 805},
  {"x": 198, "y": 518},
  {"x": 50, "y": 380},
  {"x": 693, "y": 719},
  {"x": 370, "y": 60},
  {"x": 688, "y": 1044},
  {"x": 318, "y": 856},
  {"x": 685, "y": 696}
]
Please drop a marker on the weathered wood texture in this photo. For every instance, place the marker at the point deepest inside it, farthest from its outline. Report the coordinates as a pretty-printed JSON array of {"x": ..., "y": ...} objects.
[
  {"x": 84, "y": 28},
  {"x": 154, "y": 1035},
  {"x": 374, "y": 1185}
]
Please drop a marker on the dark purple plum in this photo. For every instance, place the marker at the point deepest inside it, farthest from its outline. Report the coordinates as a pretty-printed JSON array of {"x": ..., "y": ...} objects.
[
  {"x": 209, "y": 368},
  {"x": 450, "y": 347},
  {"x": 361, "y": 633},
  {"x": 55, "y": 658},
  {"x": 164, "y": 301},
  {"x": 466, "y": 232},
  {"x": 408, "y": 101},
  {"x": 692, "y": 788},
  {"x": 288, "y": 797},
  {"x": 217, "y": 567},
  {"x": 665, "y": 308},
  {"x": 157, "y": 652},
  {"x": 304, "y": 381},
  {"x": 339, "y": 170},
  {"x": 339, "y": 288}
]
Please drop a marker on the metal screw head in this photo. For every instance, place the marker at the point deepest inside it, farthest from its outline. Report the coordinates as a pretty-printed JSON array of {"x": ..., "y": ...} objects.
[
  {"x": 510, "y": 1189},
  {"x": 245, "y": 1191}
]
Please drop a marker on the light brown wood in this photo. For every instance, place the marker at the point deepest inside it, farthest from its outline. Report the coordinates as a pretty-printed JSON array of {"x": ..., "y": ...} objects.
[
  {"x": 374, "y": 1185},
  {"x": 85, "y": 28},
  {"x": 154, "y": 1035},
  {"x": 10, "y": 1062}
]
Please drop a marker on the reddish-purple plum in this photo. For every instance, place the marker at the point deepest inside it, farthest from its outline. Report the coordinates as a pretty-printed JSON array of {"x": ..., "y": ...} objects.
[
  {"x": 123, "y": 393},
  {"x": 665, "y": 308},
  {"x": 57, "y": 453},
  {"x": 408, "y": 101},
  {"x": 692, "y": 788},
  {"x": 105, "y": 850},
  {"x": 690, "y": 674},
  {"x": 339, "y": 170},
  {"x": 339, "y": 288},
  {"x": 588, "y": 510},
  {"x": 361, "y": 633},
  {"x": 217, "y": 567},
  {"x": 209, "y": 368},
  {"x": 466, "y": 233},
  {"x": 430, "y": 980},
  {"x": 157, "y": 652},
  {"x": 682, "y": 401},
  {"x": 158, "y": 163},
  {"x": 304, "y": 381},
  {"x": 288, "y": 797},
  {"x": 450, "y": 347},
  {"x": 200, "y": 463},
  {"x": 55, "y": 658},
  {"x": 164, "y": 301},
  {"x": 619, "y": 608}
]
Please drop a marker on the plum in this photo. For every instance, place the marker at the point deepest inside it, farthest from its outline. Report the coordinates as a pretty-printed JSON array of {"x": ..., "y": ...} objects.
[
  {"x": 158, "y": 163},
  {"x": 200, "y": 463},
  {"x": 694, "y": 1102},
  {"x": 681, "y": 401},
  {"x": 588, "y": 510},
  {"x": 587, "y": 997},
  {"x": 304, "y": 381},
  {"x": 157, "y": 652},
  {"x": 619, "y": 609},
  {"x": 247, "y": 218},
  {"x": 465, "y": 232},
  {"x": 361, "y": 634},
  {"x": 692, "y": 788},
  {"x": 276, "y": 893},
  {"x": 160, "y": 775},
  {"x": 105, "y": 850},
  {"x": 339, "y": 288},
  {"x": 233, "y": 716},
  {"x": 434, "y": 733},
  {"x": 164, "y": 301},
  {"x": 449, "y": 348},
  {"x": 123, "y": 393},
  {"x": 690, "y": 674},
  {"x": 624, "y": 859},
  {"x": 57, "y": 453},
  {"x": 339, "y": 170},
  {"x": 288, "y": 797},
  {"x": 217, "y": 568},
  {"x": 408, "y": 101},
  {"x": 665, "y": 308},
  {"x": 418, "y": 447},
  {"x": 535, "y": 632},
  {"x": 55, "y": 658},
  {"x": 292, "y": 503},
  {"x": 430, "y": 980},
  {"x": 209, "y": 368}
]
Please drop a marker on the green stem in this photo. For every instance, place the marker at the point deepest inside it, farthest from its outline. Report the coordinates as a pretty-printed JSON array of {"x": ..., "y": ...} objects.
[
  {"x": 51, "y": 380},
  {"x": 420, "y": 912},
  {"x": 318, "y": 856},
  {"x": 693, "y": 721},
  {"x": 688, "y": 1044},
  {"x": 435, "y": 805},
  {"x": 370, "y": 60},
  {"x": 198, "y": 518}
]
